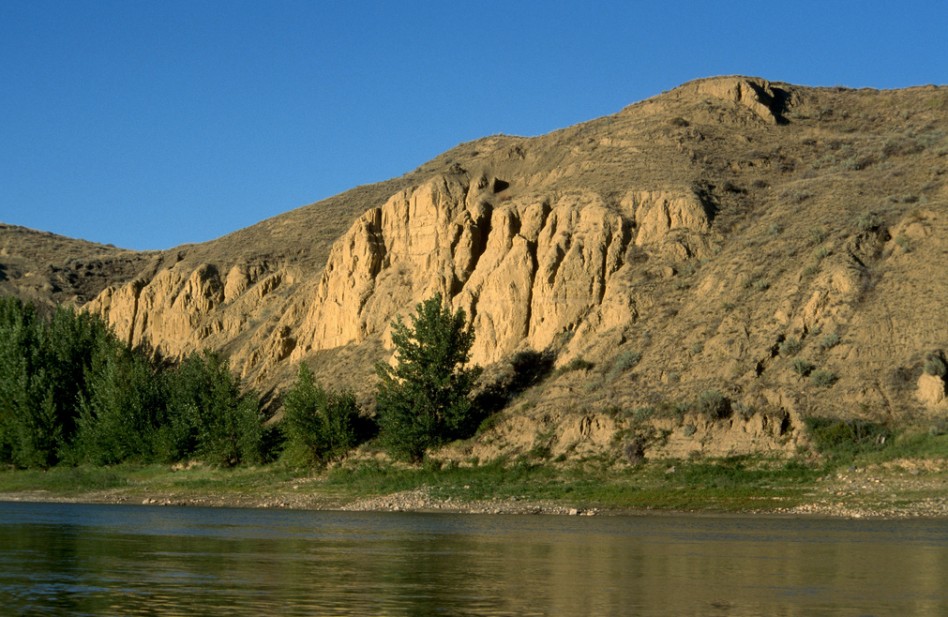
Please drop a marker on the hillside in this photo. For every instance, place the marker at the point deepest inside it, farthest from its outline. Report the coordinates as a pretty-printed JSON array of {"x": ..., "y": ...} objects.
[
  {"x": 50, "y": 269},
  {"x": 701, "y": 270}
]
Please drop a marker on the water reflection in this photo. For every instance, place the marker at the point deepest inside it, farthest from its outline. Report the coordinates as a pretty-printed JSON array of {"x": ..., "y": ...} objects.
[{"x": 75, "y": 560}]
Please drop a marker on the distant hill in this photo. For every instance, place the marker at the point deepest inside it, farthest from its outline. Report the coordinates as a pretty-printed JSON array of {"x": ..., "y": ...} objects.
[
  {"x": 705, "y": 268},
  {"x": 50, "y": 269}
]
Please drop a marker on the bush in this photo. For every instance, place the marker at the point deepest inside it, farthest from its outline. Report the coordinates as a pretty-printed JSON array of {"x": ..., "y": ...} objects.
[
  {"x": 823, "y": 379},
  {"x": 714, "y": 404},
  {"x": 623, "y": 362},
  {"x": 527, "y": 369},
  {"x": 424, "y": 400},
  {"x": 802, "y": 367},
  {"x": 868, "y": 221},
  {"x": 935, "y": 365},
  {"x": 635, "y": 451},
  {"x": 790, "y": 347},
  {"x": 846, "y": 438},
  {"x": 642, "y": 414},
  {"x": 577, "y": 364},
  {"x": 319, "y": 425},
  {"x": 829, "y": 341}
]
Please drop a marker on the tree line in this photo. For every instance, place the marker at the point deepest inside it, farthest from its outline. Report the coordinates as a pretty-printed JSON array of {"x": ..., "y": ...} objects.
[{"x": 72, "y": 393}]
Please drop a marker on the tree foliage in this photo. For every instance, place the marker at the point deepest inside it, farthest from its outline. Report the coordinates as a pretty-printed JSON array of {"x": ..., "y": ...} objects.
[
  {"x": 320, "y": 425},
  {"x": 122, "y": 409},
  {"x": 43, "y": 368},
  {"x": 70, "y": 391},
  {"x": 424, "y": 399},
  {"x": 208, "y": 415}
]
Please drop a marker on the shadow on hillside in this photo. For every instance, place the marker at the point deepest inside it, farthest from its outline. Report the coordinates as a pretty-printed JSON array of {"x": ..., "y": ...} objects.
[{"x": 524, "y": 370}]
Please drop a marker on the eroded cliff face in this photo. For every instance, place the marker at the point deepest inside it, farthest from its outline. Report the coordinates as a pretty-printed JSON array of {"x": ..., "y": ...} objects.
[
  {"x": 179, "y": 307},
  {"x": 526, "y": 270},
  {"x": 531, "y": 271}
]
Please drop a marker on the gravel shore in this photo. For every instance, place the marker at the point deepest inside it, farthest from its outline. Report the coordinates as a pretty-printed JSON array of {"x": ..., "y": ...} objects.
[
  {"x": 825, "y": 503},
  {"x": 893, "y": 490}
]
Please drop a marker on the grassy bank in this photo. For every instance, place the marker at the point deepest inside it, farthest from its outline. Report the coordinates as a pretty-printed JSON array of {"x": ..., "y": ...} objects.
[
  {"x": 729, "y": 485},
  {"x": 906, "y": 478}
]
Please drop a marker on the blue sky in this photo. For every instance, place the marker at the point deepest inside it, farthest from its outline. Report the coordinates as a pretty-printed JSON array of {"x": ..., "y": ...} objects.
[{"x": 152, "y": 124}]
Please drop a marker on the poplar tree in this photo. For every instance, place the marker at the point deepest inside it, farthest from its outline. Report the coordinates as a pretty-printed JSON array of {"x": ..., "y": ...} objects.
[{"x": 424, "y": 399}]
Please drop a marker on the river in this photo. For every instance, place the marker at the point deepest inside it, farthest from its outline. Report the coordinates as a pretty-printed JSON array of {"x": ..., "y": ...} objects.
[{"x": 72, "y": 559}]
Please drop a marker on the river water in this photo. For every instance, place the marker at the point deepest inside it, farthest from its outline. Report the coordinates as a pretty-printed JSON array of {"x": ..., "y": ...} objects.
[{"x": 69, "y": 559}]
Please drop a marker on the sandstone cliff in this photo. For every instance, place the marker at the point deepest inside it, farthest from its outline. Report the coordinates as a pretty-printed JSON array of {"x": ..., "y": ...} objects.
[{"x": 774, "y": 245}]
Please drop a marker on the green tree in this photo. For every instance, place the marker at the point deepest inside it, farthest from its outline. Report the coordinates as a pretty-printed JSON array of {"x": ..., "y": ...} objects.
[
  {"x": 44, "y": 366},
  {"x": 18, "y": 348},
  {"x": 424, "y": 400},
  {"x": 69, "y": 343},
  {"x": 320, "y": 425},
  {"x": 122, "y": 410},
  {"x": 208, "y": 415},
  {"x": 70, "y": 390}
]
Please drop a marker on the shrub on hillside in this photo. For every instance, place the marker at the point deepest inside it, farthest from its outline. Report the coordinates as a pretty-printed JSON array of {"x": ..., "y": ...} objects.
[
  {"x": 525, "y": 369},
  {"x": 935, "y": 365},
  {"x": 790, "y": 347},
  {"x": 829, "y": 341},
  {"x": 802, "y": 368},
  {"x": 823, "y": 379},
  {"x": 623, "y": 362},
  {"x": 713, "y": 404}
]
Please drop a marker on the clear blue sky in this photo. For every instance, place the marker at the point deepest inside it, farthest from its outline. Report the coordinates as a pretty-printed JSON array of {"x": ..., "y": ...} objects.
[{"x": 152, "y": 124}]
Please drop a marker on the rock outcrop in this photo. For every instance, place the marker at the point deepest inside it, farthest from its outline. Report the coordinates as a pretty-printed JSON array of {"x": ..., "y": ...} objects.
[
  {"x": 757, "y": 95},
  {"x": 526, "y": 270},
  {"x": 180, "y": 308},
  {"x": 931, "y": 390}
]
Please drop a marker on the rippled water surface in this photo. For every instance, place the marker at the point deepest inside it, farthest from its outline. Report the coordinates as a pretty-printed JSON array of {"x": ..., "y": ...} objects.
[{"x": 71, "y": 559}]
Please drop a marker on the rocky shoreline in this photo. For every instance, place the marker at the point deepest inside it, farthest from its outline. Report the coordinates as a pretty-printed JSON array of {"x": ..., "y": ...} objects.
[{"x": 421, "y": 501}]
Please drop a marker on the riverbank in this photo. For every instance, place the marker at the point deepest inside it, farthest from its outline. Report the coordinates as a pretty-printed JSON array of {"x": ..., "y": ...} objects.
[{"x": 903, "y": 488}]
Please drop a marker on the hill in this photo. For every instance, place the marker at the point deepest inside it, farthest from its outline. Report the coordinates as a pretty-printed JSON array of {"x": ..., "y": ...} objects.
[
  {"x": 694, "y": 275},
  {"x": 48, "y": 269}
]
